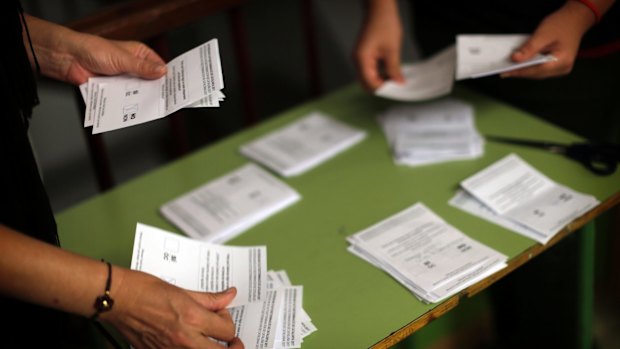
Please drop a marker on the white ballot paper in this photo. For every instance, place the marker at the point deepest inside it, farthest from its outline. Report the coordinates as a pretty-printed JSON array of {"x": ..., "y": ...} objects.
[
  {"x": 431, "y": 258},
  {"x": 226, "y": 206},
  {"x": 432, "y": 132},
  {"x": 303, "y": 144},
  {"x": 201, "y": 266},
  {"x": 424, "y": 80},
  {"x": 484, "y": 55},
  {"x": 464, "y": 201},
  {"x": 280, "y": 279},
  {"x": 194, "y": 79},
  {"x": 276, "y": 322},
  {"x": 513, "y": 189}
]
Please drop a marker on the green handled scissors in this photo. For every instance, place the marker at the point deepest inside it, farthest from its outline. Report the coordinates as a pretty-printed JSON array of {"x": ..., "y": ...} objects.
[{"x": 601, "y": 159}]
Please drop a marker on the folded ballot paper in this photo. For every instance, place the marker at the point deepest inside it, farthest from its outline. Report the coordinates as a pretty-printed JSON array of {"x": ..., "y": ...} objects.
[
  {"x": 432, "y": 132},
  {"x": 516, "y": 196},
  {"x": 194, "y": 79},
  {"x": 428, "y": 256},
  {"x": 483, "y": 55},
  {"x": 267, "y": 311},
  {"x": 473, "y": 56},
  {"x": 227, "y": 206},
  {"x": 303, "y": 144}
]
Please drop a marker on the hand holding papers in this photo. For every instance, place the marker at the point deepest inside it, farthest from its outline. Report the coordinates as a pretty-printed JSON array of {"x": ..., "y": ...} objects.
[
  {"x": 424, "y": 80},
  {"x": 227, "y": 206},
  {"x": 194, "y": 79},
  {"x": 484, "y": 55},
  {"x": 431, "y": 258},
  {"x": 302, "y": 145},
  {"x": 432, "y": 132},
  {"x": 199, "y": 266},
  {"x": 515, "y": 193},
  {"x": 267, "y": 311},
  {"x": 474, "y": 56}
]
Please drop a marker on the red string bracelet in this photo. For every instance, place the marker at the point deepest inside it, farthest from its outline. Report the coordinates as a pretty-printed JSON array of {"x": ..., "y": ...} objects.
[{"x": 592, "y": 6}]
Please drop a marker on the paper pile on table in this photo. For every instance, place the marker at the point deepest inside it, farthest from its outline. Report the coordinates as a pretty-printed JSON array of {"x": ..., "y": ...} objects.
[
  {"x": 194, "y": 79},
  {"x": 473, "y": 56},
  {"x": 300, "y": 146},
  {"x": 433, "y": 259},
  {"x": 432, "y": 132},
  {"x": 267, "y": 311},
  {"x": 227, "y": 206},
  {"x": 515, "y": 195}
]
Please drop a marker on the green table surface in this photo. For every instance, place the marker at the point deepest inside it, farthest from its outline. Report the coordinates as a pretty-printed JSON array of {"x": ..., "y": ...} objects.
[{"x": 353, "y": 304}]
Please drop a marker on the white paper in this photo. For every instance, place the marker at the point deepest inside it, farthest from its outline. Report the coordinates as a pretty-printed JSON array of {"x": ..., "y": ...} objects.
[
  {"x": 194, "y": 79},
  {"x": 226, "y": 206},
  {"x": 280, "y": 279},
  {"x": 255, "y": 323},
  {"x": 303, "y": 144},
  {"x": 430, "y": 257},
  {"x": 515, "y": 190},
  {"x": 201, "y": 266},
  {"x": 273, "y": 323},
  {"x": 464, "y": 201},
  {"x": 432, "y": 132},
  {"x": 424, "y": 80},
  {"x": 484, "y": 55}
]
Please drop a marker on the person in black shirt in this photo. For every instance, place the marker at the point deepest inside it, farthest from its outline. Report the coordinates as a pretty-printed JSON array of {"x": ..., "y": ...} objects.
[{"x": 46, "y": 291}]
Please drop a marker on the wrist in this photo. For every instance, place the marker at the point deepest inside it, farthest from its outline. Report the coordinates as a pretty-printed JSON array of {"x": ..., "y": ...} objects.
[
  {"x": 590, "y": 7},
  {"x": 582, "y": 17},
  {"x": 104, "y": 302}
]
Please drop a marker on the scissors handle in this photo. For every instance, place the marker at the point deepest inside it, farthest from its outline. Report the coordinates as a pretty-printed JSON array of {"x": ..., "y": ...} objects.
[{"x": 600, "y": 159}]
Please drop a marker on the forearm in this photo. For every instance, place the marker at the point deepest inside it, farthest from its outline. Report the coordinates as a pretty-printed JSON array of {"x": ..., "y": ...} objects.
[{"x": 39, "y": 273}]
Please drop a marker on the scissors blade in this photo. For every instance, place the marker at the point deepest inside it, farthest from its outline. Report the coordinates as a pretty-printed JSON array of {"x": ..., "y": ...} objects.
[{"x": 550, "y": 146}]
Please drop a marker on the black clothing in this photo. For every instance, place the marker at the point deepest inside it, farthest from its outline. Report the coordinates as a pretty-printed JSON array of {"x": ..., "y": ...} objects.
[
  {"x": 24, "y": 205},
  {"x": 584, "y": 102},
  {"x": 445, "y": 19}
]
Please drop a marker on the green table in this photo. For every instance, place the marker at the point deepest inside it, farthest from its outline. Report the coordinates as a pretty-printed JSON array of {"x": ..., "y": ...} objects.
[{"x": 353, "y": 304}]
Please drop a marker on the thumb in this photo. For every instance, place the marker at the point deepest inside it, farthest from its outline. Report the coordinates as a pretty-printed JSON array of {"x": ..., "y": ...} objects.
[
  {"x": 534, "y": 45},
  {"x": 215, "y": 301},
  {"x": 147, "y": 69},
  {"x": 393, "y": 68}
]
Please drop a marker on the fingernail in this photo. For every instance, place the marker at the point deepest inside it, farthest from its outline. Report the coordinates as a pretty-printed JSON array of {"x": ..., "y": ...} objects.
[{"x": 160, "y": 69}]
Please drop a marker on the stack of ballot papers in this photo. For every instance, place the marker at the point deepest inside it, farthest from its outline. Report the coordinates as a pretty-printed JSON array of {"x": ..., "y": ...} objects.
[
  {"x": 194, "y": 79},
  {"x": 227, "y": 206},
  {"x": 473, "y": 56},
  {"x": 516, "y": 196},
  {"x": 431, "y": 258},
  {"x": 267, "y": 311},
  {"x": 432, "y": 132},
  {"x": 303, "y": 144}
]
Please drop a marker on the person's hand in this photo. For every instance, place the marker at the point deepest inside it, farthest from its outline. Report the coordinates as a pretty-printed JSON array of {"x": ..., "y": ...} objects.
[
  {"x": 151, "y": 313},
  {"x": 379, "y": 44},
  {"x": 94, "y": 55},
  {"x": 558, "y": 34},
  {"x": 73, "y": 57}
]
